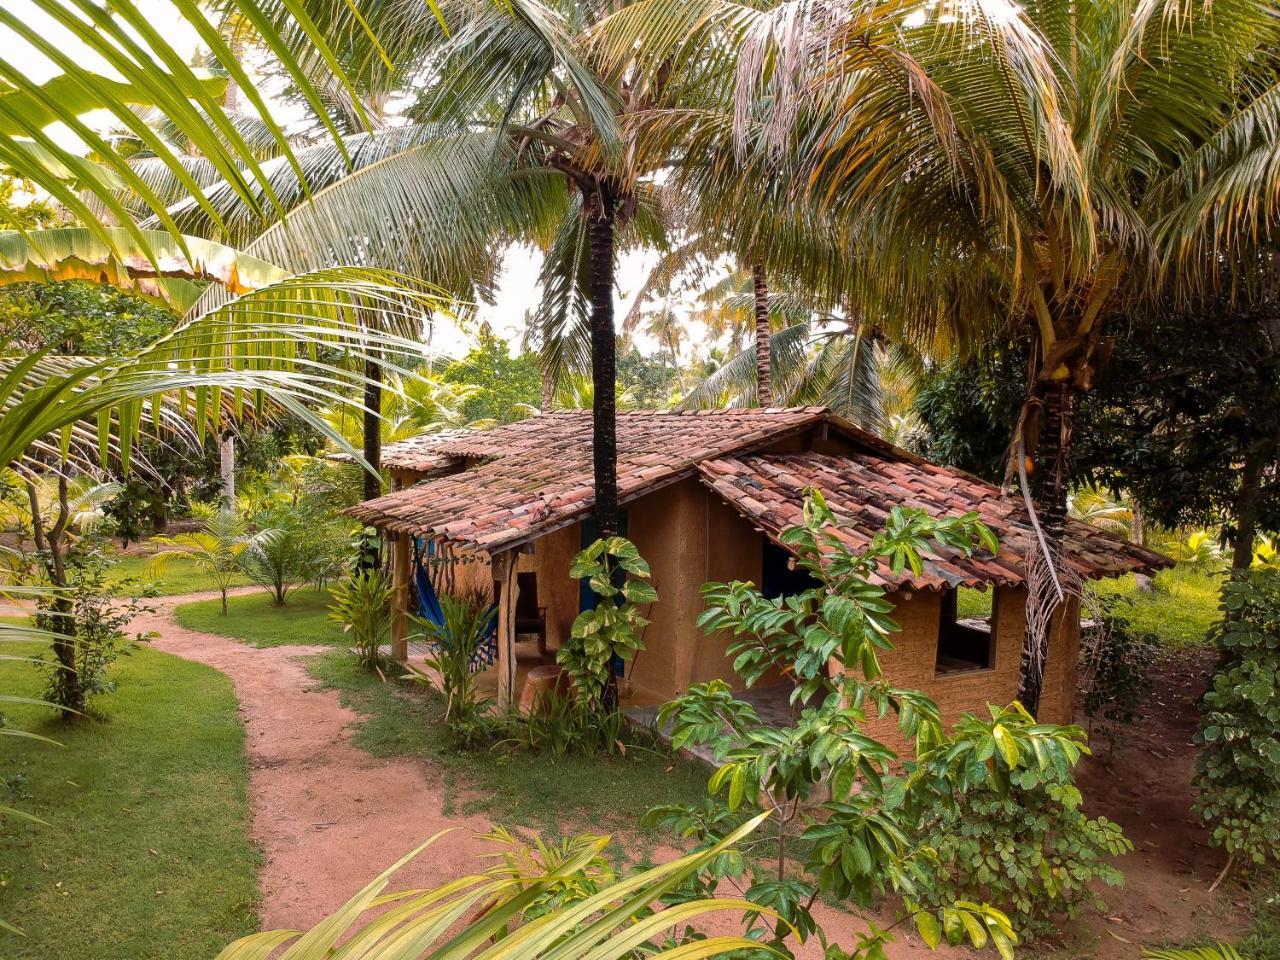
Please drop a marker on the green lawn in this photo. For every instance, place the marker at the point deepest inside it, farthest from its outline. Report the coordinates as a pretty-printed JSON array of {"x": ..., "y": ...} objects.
[
  {"x": 513, "y": 787},
  {"x": 1180, "y": 611},
  {"x": 180, "y": 576},
  {"x": 255, "y": 619},
  {"x": 147, "y": 854}
]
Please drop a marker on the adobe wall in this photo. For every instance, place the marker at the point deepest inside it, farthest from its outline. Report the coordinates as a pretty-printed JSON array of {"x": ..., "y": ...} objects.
[
  {"x": 552, "y": 557},
  {"x": 912, "y": 662},
  {"x": 673, "y": 528}
]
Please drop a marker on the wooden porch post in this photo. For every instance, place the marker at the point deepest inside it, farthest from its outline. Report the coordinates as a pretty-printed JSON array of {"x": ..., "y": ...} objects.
[
  {"x": 506, "y": 589},
  {"x": 400, "y": 597}
]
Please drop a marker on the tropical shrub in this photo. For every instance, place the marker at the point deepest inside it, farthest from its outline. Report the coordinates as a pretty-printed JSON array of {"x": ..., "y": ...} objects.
[
  {"x": 999, "y": 813},
  {"x": 216, "y": 550},
  {"x": 93, "y": 615},
  {"x": 1114, "y": 659},
  {"x": 825, "y": 778},
  {"x": 284, "y": 553},
  {"x": 362, "y": 605},
  {"x": 467, "y": 617},
  {"x": 1238, "y": 770},
  {"x": 558, "y": 724}
]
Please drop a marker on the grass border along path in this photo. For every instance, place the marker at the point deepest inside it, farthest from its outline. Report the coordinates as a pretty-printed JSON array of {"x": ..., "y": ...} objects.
[
  {"x": 147, "y": 854},
  {"x": 254, "y": 619}
]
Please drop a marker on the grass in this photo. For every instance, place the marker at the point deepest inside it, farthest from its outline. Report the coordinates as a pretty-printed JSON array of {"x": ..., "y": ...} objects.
[
  {"x": 147, "y": 853},
  {"x": 513, "y": 787},
  {"x": 1263, "y": 942},
  {"x": 1179, "y": 612},
  {"x": 180, "y": 576},
  {"x": 256, "y": 620}
]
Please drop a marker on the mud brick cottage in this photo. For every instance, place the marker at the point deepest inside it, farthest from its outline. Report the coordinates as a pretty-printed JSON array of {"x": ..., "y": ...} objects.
[{"x": 705, "y": 497}]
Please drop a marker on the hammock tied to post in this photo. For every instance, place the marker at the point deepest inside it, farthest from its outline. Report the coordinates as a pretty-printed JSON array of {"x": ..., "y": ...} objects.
[{"x": 429, "y": 609}]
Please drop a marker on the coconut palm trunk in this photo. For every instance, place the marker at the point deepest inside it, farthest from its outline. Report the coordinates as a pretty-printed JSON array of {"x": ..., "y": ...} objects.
[
  {"x": 1247, "y": 501},
  {"x": 600, "y": 207},
  {"x": 764, "y": 356},
  {"x": 227, "y": 469},
  {"x": 372, "y": 415},
  {"x": 1050, "y": 479}
]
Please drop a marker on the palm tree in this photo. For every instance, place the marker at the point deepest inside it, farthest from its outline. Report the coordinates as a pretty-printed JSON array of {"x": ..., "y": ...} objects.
[
  {"x": 243, "y": 355},
  {"x": 511, "y": 114},
  {"x": 152, "y": 76},
  {"x": 1025, "y": 165},
  {"x": 215, "y": 550}
]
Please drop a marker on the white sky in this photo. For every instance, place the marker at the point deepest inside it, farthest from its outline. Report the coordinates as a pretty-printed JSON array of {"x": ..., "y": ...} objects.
[{"x": 517, "y": 288}]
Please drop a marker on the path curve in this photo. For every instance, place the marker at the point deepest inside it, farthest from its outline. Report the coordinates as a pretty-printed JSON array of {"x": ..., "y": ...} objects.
[{"x": 328, "y": 816}]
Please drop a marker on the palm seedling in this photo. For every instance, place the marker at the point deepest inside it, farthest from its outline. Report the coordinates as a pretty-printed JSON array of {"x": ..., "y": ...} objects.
[{"x": 215, "y": 550}]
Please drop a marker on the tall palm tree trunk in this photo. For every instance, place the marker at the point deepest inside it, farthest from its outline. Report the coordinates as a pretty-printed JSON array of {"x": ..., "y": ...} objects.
[
  {"x": 1050, "y": 479},
  {"x": 599, "y": 207},
  {"x": 372, "y": 428},
  {"x": 764, "y": 356},
  {"x": 1247, "y": 501}
]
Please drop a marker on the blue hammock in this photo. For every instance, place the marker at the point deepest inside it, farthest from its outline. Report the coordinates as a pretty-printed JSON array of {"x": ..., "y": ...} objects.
[{"x": 486, "y": 651}]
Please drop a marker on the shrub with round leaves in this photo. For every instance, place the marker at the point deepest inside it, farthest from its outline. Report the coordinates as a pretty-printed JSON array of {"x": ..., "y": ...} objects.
[{"x": 1238, "y": 772}]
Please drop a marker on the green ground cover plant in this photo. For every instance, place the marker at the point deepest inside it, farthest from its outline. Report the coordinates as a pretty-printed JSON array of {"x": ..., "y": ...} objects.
[
  {"x": 255, "y": 619},
  {"x": 147, "y": 852},
  {"x": 178, "y": 578}
]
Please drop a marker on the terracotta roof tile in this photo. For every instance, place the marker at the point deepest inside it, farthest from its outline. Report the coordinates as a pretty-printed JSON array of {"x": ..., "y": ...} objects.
[
  {"x": 530, "y": 477},
  {"x": 536, "y": 474},
  {"x": 769, "y": 490}
]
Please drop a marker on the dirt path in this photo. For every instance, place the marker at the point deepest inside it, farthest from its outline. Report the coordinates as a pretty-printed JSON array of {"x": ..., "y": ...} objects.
[
  {"x": 327, "y": 815},
  {"x": 1145, "y": 786}
]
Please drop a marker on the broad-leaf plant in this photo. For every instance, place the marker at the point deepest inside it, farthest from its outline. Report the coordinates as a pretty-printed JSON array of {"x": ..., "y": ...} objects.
[
  {"x": 610, "y": 631},
  {"x": 852, "y": 820}
]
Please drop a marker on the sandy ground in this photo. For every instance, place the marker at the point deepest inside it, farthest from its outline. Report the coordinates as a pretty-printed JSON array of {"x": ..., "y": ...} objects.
[
  {"x": 1146, "y": 788},
  {"x": 329, "y": 817}
]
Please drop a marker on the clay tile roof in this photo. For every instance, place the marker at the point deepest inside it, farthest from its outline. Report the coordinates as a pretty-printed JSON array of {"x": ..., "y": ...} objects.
[
  {"x": 861, "y": 489},
  {"x": 424, "y": 454},
  {"x": 536, "y": 474}
]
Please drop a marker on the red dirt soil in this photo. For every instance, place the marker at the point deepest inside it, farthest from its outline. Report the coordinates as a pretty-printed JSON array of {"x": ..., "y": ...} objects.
[
  {"x": 1146, "y": 788},
  {"x": 329, "y": 817}
]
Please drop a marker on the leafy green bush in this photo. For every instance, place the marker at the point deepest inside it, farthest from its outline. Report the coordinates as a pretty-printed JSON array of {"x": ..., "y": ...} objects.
[
  {"x": 1238, "y": 771},
  {"x": 96, "y": 620},
  {"x": 362, "y": 605},
  {"x": 859, "y": 842},
  {"x": 981, "y": 828},
  {"x": 1009, "y": 829}
]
